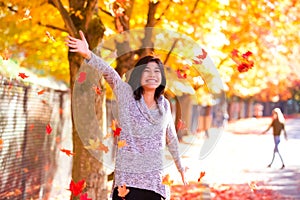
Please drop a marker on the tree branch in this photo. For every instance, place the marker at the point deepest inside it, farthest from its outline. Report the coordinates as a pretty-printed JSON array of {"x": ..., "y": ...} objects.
[
  {"x": 65, "y": 15},
  {"x": 171, "y": 50},
  {"x": 163, "y": 13},
  {"x": 52, "y": 27},
  {"x": 195, "y": 6},
  {"x": 89, "y": 12},
  {"x": 106, "y": 12}
]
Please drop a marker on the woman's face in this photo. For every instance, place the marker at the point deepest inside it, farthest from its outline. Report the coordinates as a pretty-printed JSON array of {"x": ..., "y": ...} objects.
[{"x": 151, "y": 76}]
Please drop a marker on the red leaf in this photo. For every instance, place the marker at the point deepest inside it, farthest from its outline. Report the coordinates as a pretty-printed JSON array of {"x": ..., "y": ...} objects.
[
  {"x": 200, "y": 57},
  {"x": 181, "y": 76},
  {"x": 77, "y": 188},
  {"x": 97, "y": 90},
  {"x": 82, "y": 77},
  {"x": 48, "y": 129},
  {"x": 203, "y": 55},
  {"x": 68, "y": 152},
  {"x": 84, "y": 197},
  {"x": 117, "y": 132},
  {"x": 23, "y": 75},
  {"x": 41, "y": 92},
  {"x": 201, "y": 176},
  {"x": 247, "y": 54}
]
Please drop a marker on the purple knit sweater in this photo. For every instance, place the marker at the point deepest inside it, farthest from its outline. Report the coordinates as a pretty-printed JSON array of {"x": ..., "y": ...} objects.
[{"x": 146, "y": 132}]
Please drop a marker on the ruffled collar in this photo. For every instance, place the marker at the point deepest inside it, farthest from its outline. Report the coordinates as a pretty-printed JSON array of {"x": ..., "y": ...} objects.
[{"x": 147, "y": 113}]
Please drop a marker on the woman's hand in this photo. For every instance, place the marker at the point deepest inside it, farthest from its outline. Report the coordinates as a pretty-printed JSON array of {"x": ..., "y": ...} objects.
[
  {"x": 79, "y": 46},
  {"x": 182, "y": 173}
]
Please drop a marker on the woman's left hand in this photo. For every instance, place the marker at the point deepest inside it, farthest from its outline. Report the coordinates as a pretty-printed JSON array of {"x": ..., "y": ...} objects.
[{"x": 182, "y": 173}]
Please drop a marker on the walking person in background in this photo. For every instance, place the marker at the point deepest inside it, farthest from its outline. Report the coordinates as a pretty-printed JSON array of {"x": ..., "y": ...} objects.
[
  {"x": 144, "y": 115},
  {"x": 277, "y": 124}
]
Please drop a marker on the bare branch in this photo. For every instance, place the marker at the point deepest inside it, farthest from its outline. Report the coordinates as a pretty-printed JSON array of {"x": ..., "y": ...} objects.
[
  {"x": 171, "y": 50},
  {"x": 195, "y": 6},
  {"x": 165, "y": 10},
  {"x": 52, "y": 27},
  {"x": 106, "y": 12}
]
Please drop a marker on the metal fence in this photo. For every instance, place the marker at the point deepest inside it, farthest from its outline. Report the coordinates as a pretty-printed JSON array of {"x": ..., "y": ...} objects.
[{"x": 28, "y": 153}]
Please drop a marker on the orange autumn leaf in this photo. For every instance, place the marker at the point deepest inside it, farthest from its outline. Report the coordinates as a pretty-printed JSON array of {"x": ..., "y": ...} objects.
[
  {"x": 23, "y": 75},
  {"x": 68, "y": 152},
  {"x": 166, "y": 180},
  {"x": 201, "y": 176},
  {"x": 48, "y": 129},
  {"x": 1, "y": 143},
  {"x": 41, "y": 92},
  {"x": 96, "y": 145},
  {"x": 6, "y": 54},
  {"x": 252, "y": 185},
  {"x": 122, "y": 191},
  {"x": 113, "y": 125},
  {"x": 108, "y": 135},
  {"x": 97, "y": 90},
  {"x": 122, "y": 143}
]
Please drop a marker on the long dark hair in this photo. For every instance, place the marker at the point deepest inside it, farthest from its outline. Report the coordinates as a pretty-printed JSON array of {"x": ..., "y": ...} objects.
[{"x": 136, "y": 74}]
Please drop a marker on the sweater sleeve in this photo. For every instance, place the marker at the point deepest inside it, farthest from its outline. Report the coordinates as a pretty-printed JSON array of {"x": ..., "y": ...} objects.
[
  {"x": 116, "y": 83},
  {"x": 172, "y": 140}
]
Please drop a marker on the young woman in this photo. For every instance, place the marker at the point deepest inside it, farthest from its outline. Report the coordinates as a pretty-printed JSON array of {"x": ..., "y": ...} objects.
[
  {"x": 278, "y": 126},
  {"x": 146, "y": 121}
]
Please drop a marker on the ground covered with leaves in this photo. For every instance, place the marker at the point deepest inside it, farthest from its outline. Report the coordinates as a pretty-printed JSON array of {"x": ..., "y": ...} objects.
[{"x": 252, "y": 191}]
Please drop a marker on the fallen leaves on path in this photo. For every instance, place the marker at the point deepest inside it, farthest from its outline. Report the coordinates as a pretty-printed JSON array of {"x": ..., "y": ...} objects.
[{"x": 196, "y": 191}]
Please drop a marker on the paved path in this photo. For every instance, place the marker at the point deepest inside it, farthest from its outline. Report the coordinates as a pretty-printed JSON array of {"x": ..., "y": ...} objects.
[{"x": 243, "y": 158}]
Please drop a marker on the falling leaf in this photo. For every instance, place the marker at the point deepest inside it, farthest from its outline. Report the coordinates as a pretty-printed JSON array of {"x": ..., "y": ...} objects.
[
  {"x": 23, "y": 75},
  {"x": 77, "y": 188},
  {"x": 97, "y": 90},
  {"x": 41, "y": 92},
  {"x": 84, "y": 197},
  {"x": 252, "y": 185},
  {"x": 180, "y": 75},
  {"x": 113, "y": 124},
  {"x": 68, "y": 152},
  {"x": 201, "y": 176},
  {"x": 122, "y": 190},
  {"x": 48, "y": 129},
  {"x": 31, "y": 127},
  {"x": 117, "y": 132},
  {"x": 25, "y": 170},
  {"x": 1, "y": 143},
  {"x": 166, "y": 180},
  {"x": 81, "y": 77},
  {"x": 199, "y": 58},
  {"x": 122, "y": 143},
  {"x": 44, "y": 102},
  {"x": 50, "y": 36},
  {"x": 108, "y": 135},
  {"x": 180, "y": 125},
  {"x": 97, "y": 145},
  {"x": 6, "y": 54}
]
